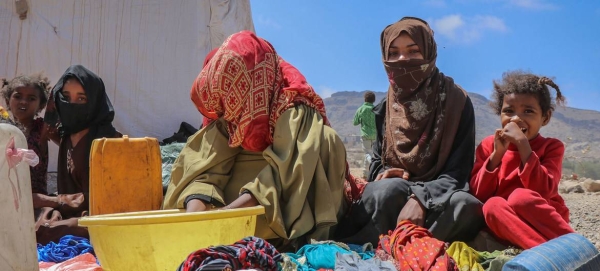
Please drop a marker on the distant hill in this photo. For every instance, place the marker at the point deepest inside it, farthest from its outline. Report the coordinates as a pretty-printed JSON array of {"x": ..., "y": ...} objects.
[{"x": 579, "y": 129}]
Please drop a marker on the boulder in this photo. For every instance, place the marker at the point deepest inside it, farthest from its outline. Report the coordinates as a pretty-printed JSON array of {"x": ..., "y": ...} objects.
[
  {"x": 570, "y": 187},
  {"x": 575, "y": 189},
  {"x": 591, "y": 185}
]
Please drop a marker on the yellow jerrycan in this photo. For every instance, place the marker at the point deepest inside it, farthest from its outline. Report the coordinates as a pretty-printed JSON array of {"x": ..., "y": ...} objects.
[{"x": 125, "y": 175}]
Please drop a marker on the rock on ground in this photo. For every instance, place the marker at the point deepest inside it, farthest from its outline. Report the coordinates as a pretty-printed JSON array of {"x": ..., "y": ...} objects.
[{"x": 591, "y": 185}]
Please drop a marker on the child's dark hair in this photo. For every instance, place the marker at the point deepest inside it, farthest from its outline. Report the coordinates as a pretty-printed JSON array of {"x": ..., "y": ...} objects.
[
  {"x": 369, "y": 96},
  {"x": 519, "y": 82},
  {"x": 38, "y": 81}
]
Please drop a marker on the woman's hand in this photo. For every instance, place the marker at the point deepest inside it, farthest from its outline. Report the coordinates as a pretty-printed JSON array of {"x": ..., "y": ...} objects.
[
  {"x": 70, "y": 203},
  {"x": 244, "y": 200},
  {"x": 393, "y": 173},
  {"x": 50, "y": 226},
  {"x": 197, "y": 205},
  {"x": 47, "y": 215},
  {"x": 413, "y": 211}
]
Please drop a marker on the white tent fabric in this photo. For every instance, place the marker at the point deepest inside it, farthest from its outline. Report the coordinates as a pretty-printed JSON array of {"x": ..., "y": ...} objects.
[{"x": 148, "y": 52}]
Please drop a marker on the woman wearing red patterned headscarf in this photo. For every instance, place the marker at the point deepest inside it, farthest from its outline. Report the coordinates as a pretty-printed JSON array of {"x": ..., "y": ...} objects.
[{"x": 270, "y": 144}]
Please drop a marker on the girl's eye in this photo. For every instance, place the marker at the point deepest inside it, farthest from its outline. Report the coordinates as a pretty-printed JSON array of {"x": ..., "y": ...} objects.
[
  {"x": 414, "y": 51},
  {"x": 392, "y": 54}
]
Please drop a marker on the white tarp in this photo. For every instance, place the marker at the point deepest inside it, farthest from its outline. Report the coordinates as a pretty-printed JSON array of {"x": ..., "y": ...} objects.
[{"x": 148, "y": 52}]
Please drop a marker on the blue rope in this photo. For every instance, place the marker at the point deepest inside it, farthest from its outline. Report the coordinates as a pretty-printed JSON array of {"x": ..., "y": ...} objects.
[{"x": 67, "y": 248}]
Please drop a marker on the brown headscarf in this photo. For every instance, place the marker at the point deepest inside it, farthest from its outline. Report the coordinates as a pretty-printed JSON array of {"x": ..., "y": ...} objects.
[{"x": 423, "y": 106}]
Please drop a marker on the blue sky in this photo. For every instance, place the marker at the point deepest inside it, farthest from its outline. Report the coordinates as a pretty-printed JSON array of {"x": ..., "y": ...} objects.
[{"x": 335, "y": 43}]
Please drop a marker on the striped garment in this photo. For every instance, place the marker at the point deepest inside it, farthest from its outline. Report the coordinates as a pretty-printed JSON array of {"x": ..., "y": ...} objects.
[{"x": 250, "y": 252}]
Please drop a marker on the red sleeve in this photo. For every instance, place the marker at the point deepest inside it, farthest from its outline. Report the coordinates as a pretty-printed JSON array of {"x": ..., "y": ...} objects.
[
  {"x": 542, "y": 174},
  {"x": 484, "y": 183}
]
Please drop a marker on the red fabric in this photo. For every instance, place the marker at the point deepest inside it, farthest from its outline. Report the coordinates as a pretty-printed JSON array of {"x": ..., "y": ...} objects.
[
  {"x": 250, "y": 86},
  {"x": 83, "y": 262},
  {"x": 521, "y": 203},
  {"x": 206, "y": 121},
  {"x": 250, "y": 252},
  {"x": 353, "y": 187},
  {"x": 414, "y": 248},
  {"x": 525, "y": 219}
]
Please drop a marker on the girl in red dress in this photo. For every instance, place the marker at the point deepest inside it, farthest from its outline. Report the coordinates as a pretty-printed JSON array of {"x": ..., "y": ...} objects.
[{"x": 517, "y": 170}]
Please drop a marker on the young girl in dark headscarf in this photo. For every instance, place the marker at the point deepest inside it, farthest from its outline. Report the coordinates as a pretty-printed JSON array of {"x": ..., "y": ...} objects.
[
  {"x": 424, "y": 149},
  {"x": 85, "y": 113}
]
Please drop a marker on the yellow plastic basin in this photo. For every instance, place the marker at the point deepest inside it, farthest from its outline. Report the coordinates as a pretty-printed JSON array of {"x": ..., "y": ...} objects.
[{"x": 161, "y": 240}]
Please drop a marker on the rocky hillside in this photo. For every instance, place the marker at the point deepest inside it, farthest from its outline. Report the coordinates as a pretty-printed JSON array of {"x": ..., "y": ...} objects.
[{"x": 579, "y": 129}]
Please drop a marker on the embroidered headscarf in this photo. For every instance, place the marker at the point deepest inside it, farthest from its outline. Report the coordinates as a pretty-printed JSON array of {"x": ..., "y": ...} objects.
[
  {"x": 423, "y": 105},
  {"x": 206, "y": 121},
  {"x": 250, "y": 86}
]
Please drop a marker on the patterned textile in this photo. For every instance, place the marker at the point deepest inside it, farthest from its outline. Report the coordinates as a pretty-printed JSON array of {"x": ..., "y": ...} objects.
[
  {"x": 39, "y": 173},
  {"x": 384, "y": 256},
  {"x": 250, "y": 252},
  {"x": 206, "y": 121},
  {"x": 353, "y": 187},
  {"x": 415, "y": 249},
  {"x": 250, "y": 86}
]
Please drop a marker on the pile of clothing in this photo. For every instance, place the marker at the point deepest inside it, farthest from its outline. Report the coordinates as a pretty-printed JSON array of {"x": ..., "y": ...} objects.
[
  {"x": 408, "y": 247},
  {"x": 169, "y": 154},
  {"x": 248, "y": 253},
  {"x": 329, "y": 255},
  {"x": 70, "y": 253}
]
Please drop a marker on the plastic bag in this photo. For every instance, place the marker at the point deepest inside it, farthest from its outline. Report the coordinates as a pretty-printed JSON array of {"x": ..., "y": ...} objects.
[
  {"x": 83, "y": 262},
  {"x": 16, "y": 156}
]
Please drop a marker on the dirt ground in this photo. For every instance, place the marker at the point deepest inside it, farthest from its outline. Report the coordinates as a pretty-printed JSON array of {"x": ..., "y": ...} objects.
[{"x": 585, "y": 216}]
